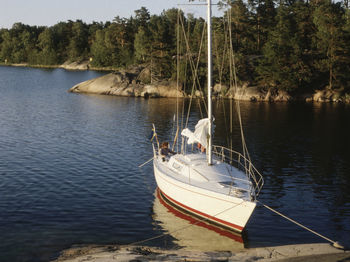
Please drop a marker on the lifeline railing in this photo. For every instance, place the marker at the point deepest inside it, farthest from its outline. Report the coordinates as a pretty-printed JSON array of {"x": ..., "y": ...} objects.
[
  {"x": 231, "y": 157},
  {"x": 237, "y": 160}
]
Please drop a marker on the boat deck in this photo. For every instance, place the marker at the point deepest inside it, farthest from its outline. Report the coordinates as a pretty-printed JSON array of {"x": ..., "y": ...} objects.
[{"x": 219, "y": 177}]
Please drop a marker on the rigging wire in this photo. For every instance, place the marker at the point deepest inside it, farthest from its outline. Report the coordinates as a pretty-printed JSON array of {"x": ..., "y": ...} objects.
[
  {"x": 234, "y": 90},
  {"x": 177, "y": 77},
  {"x": 194, "y": 67}
]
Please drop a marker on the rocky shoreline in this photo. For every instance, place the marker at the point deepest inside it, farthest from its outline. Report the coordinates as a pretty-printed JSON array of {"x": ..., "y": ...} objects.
[
  {"x": 304, "y": 252},
  {"x": 129, "y": 83},
  {"x": 132, "y": 83},
  {"x": 135, "y": 83}
]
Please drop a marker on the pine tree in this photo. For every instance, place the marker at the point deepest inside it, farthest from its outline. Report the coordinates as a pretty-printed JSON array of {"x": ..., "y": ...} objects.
[
  {"x": 78, "y": 43},
  {"x": 331, "y": 49},
  {"x": 263, "y": 13},
  {"x": 46, "y": 43},
  {"x": 276, "y": 68},
  {"x": 142, "y": 45}
]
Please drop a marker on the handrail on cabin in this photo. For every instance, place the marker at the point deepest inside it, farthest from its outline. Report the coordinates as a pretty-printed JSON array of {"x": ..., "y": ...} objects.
[{"x": 241, "y": 162}]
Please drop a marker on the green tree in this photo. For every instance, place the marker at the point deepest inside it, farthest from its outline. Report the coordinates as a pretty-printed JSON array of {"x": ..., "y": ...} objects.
[
  {"x": 263, "y": 15},
  {"x": 162, "y": 43},
  {"x": 142, "y": 45},
  {"x": 286, "y": 63},
  {"x": 6, "y": 46},
  {"x": 78, "y": 43},
  {"x": 276, "y": 68},
  {"x": 99, "y": 52},
  {"x": 331, "y": 49},
  {"x": 142, "y": 17},
  {"x": 46, "y": 43},
  {"x": 62, "y": 34},
  {"x": 304, "y": 30},
  {"x": 124, "y": 33},
  {"x": 241, "y": 35},
  {"x": 243, "y": 41}
]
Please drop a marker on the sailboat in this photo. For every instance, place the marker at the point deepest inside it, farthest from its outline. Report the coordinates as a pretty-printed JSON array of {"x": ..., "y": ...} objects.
[{"x": 217, "y": 184}]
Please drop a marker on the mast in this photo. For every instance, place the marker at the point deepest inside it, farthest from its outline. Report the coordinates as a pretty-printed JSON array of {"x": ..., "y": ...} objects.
[{"x": 210, "y": 117}]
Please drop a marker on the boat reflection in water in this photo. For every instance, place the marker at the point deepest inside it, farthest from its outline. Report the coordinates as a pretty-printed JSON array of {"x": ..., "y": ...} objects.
[{"x": 191, "y": 233}]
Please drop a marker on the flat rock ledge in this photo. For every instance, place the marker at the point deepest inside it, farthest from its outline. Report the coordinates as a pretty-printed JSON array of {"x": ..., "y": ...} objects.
[
  {"x": 126, "y": 84},
  {"x": 85, "y": 65},
  {"x": 131, "y": 83},
  {"x": 110, "y": 253}
]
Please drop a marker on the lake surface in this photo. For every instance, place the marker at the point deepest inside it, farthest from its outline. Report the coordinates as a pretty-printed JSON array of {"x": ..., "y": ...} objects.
[{"x": 69, "y": 167}]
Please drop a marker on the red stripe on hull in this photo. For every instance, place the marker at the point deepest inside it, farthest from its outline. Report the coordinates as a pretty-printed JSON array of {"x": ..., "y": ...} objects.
[
  {"x": 179, "y": 212},
  {"x": 199, "y": 213}
]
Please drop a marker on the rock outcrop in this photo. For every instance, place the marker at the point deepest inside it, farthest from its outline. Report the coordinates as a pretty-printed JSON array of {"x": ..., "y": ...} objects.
[
  {"x": 75, "y": 65},
  {"x": 126, "y": 84},
  {"x": 132, "y": 83},
  {"x": 136, "y": 83},
  {"x": 254, "y": 93},
  {"x": 329, "y": 95}
]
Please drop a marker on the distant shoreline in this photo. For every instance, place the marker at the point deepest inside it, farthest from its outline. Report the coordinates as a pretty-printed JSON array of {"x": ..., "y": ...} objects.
[{"x": 74, "y": 66}]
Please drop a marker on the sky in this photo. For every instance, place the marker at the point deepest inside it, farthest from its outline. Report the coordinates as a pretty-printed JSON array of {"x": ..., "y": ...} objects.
[{"x": 50, "y": 12}]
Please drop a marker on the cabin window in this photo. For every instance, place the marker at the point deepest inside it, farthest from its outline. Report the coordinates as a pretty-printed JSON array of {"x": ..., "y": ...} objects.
[
  {"x": 177, "y": 166},
  {"x": 227, "y": 183}
]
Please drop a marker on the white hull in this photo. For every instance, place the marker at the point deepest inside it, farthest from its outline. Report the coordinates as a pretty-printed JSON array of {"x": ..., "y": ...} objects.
[
  {"x": 207, "y": 198},
  {"x": 212, "y": 237}
]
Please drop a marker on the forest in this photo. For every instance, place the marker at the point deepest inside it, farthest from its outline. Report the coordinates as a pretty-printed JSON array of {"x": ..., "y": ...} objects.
[{"x": 293, "y": 45}]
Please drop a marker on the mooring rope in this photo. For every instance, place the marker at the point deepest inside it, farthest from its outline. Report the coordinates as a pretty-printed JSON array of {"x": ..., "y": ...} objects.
[
  {"x": 149, "y": 160},
  {"x": 335, "y": 243}
]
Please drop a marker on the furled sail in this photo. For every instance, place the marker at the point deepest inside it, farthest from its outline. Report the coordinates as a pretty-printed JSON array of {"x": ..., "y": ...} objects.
[{"x": 200, "y": 134}]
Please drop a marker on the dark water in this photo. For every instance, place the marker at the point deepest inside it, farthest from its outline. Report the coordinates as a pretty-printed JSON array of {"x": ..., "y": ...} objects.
[{"x": 69, "y": 166}]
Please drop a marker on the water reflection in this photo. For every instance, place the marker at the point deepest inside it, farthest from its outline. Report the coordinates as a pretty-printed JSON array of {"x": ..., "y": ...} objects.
[
  {"x": 302, "y": 151},
  {"x": 191, "y": 233},
  {"x": 69, "y": 175}
]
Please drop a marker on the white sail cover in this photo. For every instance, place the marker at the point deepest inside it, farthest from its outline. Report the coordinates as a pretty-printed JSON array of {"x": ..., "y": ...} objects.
[{"x": 200, "y": 133}]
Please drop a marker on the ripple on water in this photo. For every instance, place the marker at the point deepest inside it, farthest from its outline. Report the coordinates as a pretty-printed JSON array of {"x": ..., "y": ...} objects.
[{"x": 69, "y": 166}]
